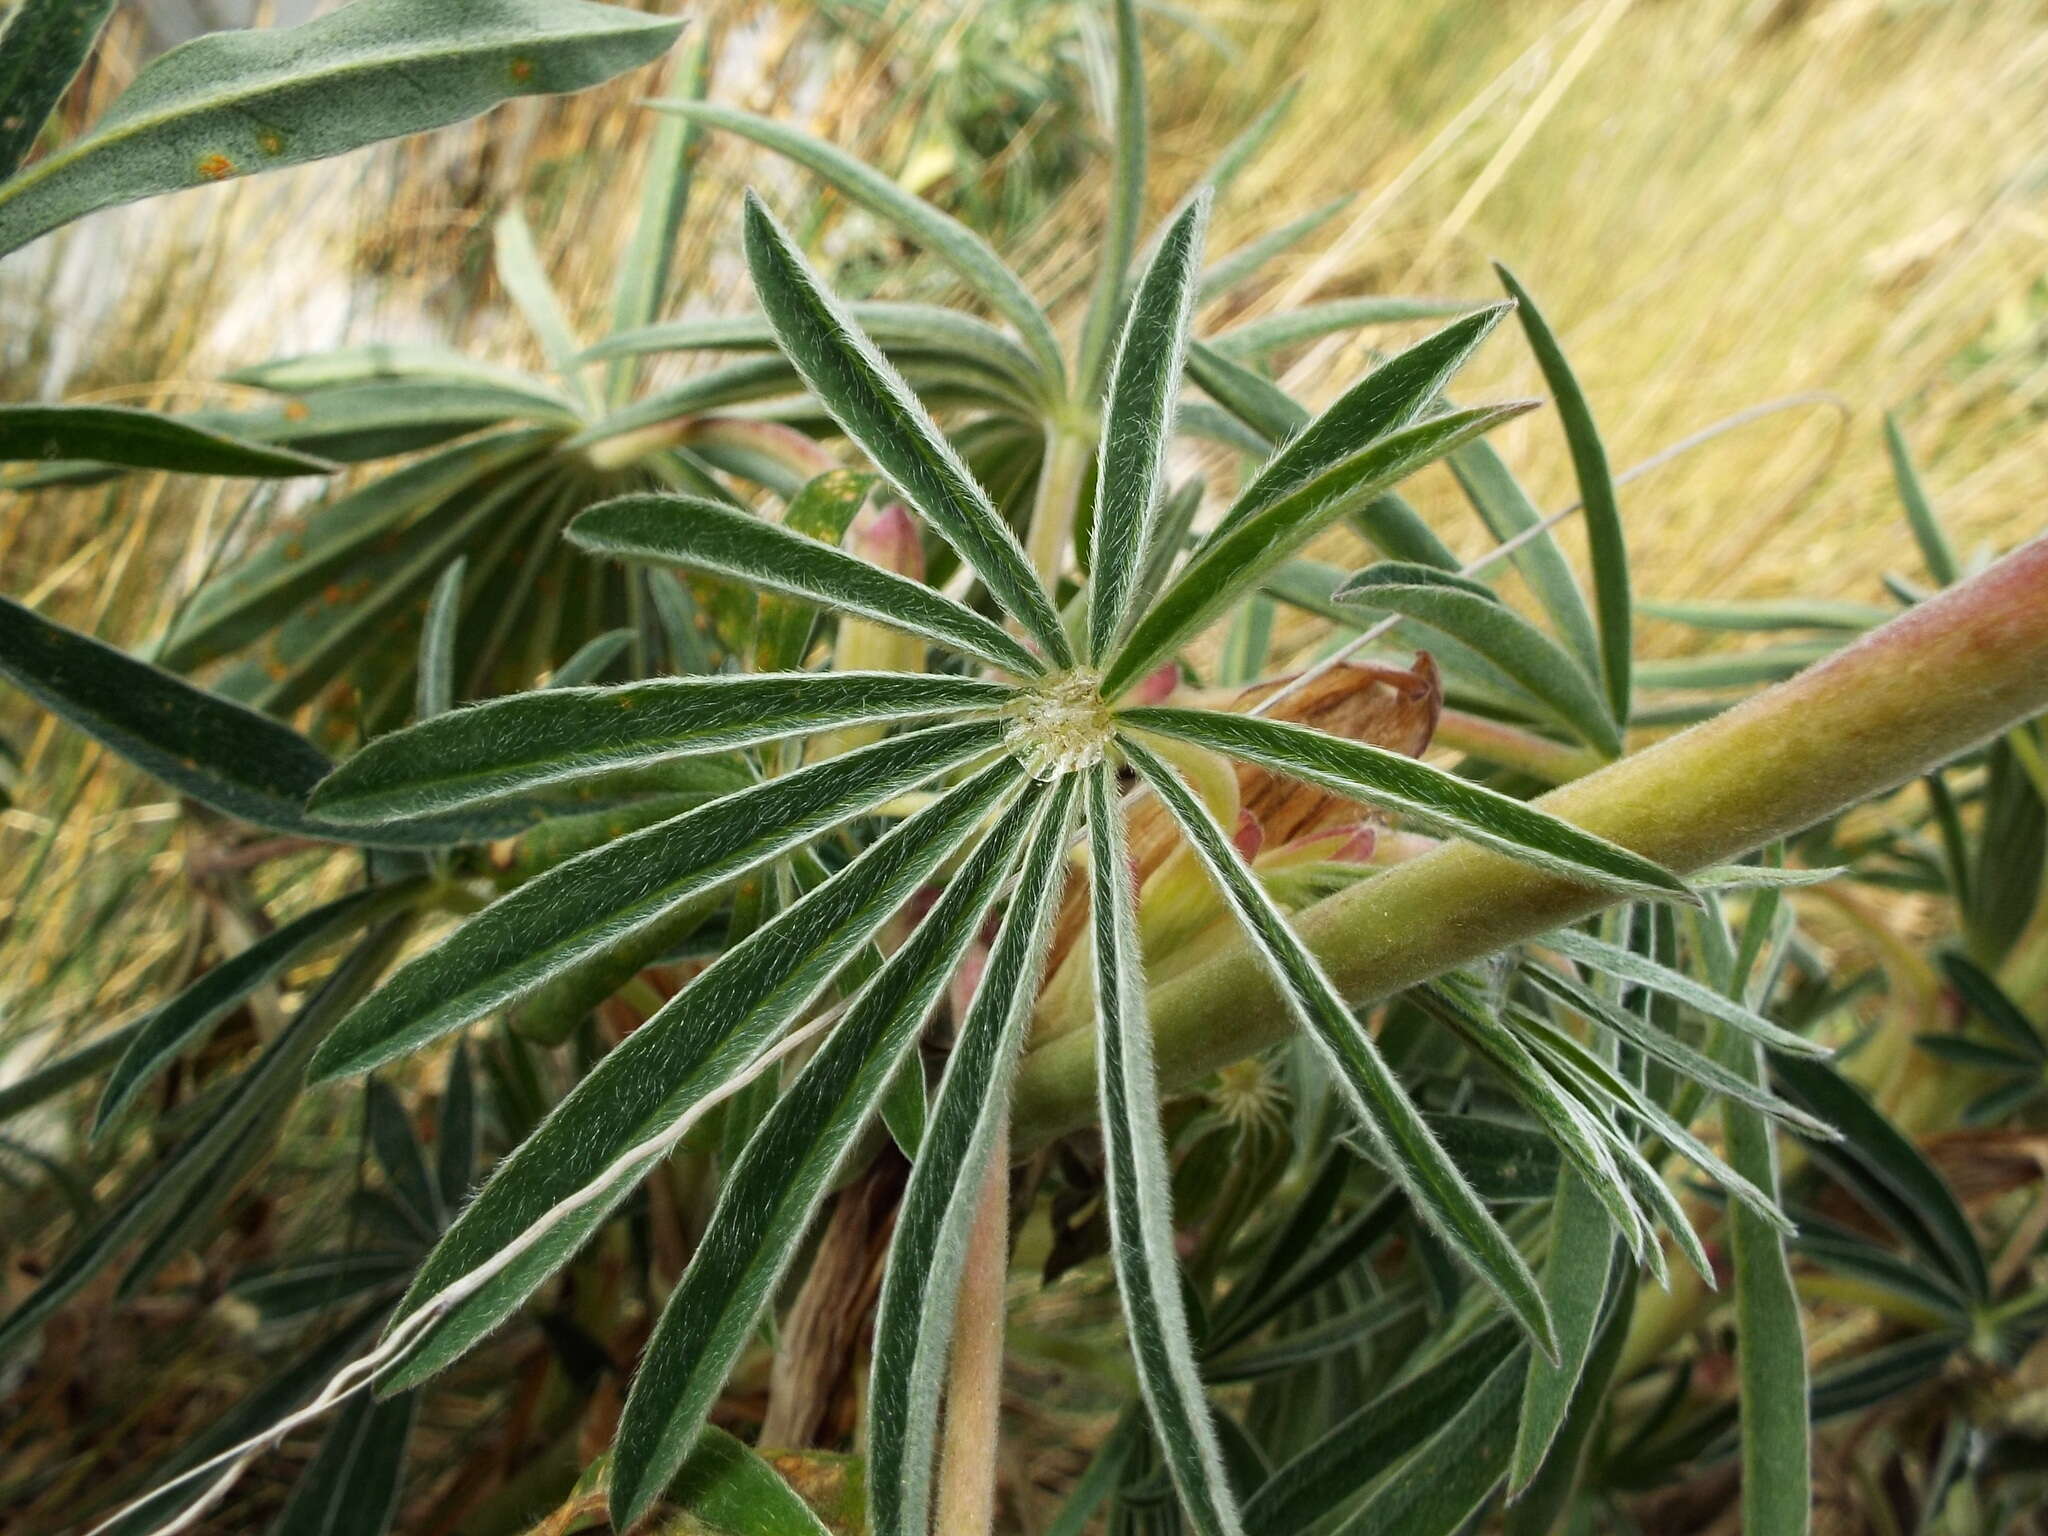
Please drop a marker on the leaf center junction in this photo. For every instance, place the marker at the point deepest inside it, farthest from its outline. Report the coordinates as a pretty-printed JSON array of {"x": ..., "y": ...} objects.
[{"x": 1061, "y": 725}]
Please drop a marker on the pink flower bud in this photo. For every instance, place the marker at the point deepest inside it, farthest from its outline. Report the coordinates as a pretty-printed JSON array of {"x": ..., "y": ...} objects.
[{"x": 887, "y": 536}]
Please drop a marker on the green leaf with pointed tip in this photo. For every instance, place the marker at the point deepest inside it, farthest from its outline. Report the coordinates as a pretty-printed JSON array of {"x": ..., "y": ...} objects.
[
  {"x": 1397, "y": 530},
  {"x": 380, "y": 362},
  {"x": 298, "y": 561},
  {"x": 1144, "y": 383},
  {"x": 1261, "y": 405},
  {"x": 517, "y": 262},
  {"x": 351, "y": 1488},
  {"x": 1477, "y": 618},
  {"x": 1772, "y": 614},
  {"x": 915, "y": 1316},
  {"x": 1770, "y": 1352},
  {"x": 1230, "y": 563},
  {"x": 541, "y": 1203},
  {"x": 898, "y": 329},
  {"x": 1539, "y": 1505},
  {"x": 233, "y": 759},
  {"x": 599, "y": 898},
  {"x": 511, "y": 745},
  {"x": 1511, "y": 517},
  {"x": 869, "y": 399},
  {"x": 1438, "y": 1489},
  {"x": 1600, "y": 509},
  {"x": 251, "y": 1100},
  {"x": 1401, "y": 1142},
  {"x": 115, "y": 434},
  {"x": 772, "y": 1192},
  {"x": 1935, "y": 549},
  {"x": 231, "y": 103},
  {"x": 1138, "y": 1180},
  {"x": 1255, "y": 339},
  {"x": 52, "y": 1078},
  {"x": 953, "y": 242},
  {"x": 1228, "y": 271},
  {"x": 1417, "y": 791},
  {"x": 591, "y": 659},
  {"x": 158, "y": 1038},
  {"x": 1126, "y": 201},
  {"x": 396, "y": 1146},
  {"x": 641, "y": 282},
  {"x": 1575, "y": 1281},
  {"x": 434, "y": 690},
  {"x": 1641, "y": 971},
  {"x": 43, "y": 44},
  {"x": 1364, "y": 1444},
  {"x": 703, "y": 536}
]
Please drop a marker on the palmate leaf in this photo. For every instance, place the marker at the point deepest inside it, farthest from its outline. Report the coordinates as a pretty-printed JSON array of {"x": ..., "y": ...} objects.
[
  {"x": 1144, "y": 383},
  {"x": 1138, "y": 1182},
  {"x": 601, "y": 898},
  {"x": 116, "y": 434},
  {"x": 1402, "y": 1143},
  {"x": 772, "y": 1192},
  {"x": 230, "y": 103},
  {"x": 542, "y": 1203},
  {"x": 1417, "y": 791},
  {"x": 527, "y": 741},
  {"x": 869, "y": 399},
  {"x": 1239, "y": 553},
  {"x": 703, "y": 536}
]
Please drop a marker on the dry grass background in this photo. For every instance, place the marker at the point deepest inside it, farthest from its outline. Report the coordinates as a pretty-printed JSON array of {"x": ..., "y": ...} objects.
[{"x": 1721, "y": 204}]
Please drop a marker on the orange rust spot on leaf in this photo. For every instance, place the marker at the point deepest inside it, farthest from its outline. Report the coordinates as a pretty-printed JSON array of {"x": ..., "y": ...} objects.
[
  {"x": 270, "y": 141},
  {"x": 296, "y": 410},
  {"x": 294, "y": 550},
  {"x": 215, "y": 167},
  {"x": 522, "y": 70}
]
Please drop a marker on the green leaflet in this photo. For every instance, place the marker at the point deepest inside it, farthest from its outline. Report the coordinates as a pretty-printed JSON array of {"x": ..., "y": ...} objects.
[
  {"x": 380, "y": 362},
  {"x": 1497, "y": 496},
  {"x": 753, "y": 378},
  {"x": 52, "y": 1077},
  {"x": 1138, "y": 1181},
  {"x": 1639, "y": 970},
  {"x": 703, "y": 536},
  {"x": 1138, "y": 423},
  {"x": 1601, "y": 511},
  {"x": 1480, "y": 620},
  {"x": 1257, "y": 338},
  {"x": 1241, "y": 551},
  {"x": 914, "y": 1318},
  {"x": 729, "y": 1488},
  {"x": 1538, "y": 1506},
  {"x": 525, "y": 741},
  {"x": 1575, "y": 1282},
  {"x": 233, "y": 759},
  {"x": 249, "y": 1103},
  {"x": 823, "y": 509},
  {"x": 1360, "y": 1447},
  {"x": 231, "y": 103},
  {"x": 1267, "y": 410},
  {"x": 115, "y": 434},
  {"x": 1415, "y": 790},
  {"x": 1126, "y": 201},
  {"x": 870, "y": 400},
  {"x": 1226, "y": 272},
  {"x": 1402, "y": 1143},
  {"x": 434, "y": 688},
  {"x": 516, "y": 261},
  {"x": 1771, "y": 613},
  {"x": 542, "y": 1202},
  {"x": 298, "y": 562},
  {"x": 958, "y": 246},
  {"x": 640, "y": 285},
  {"x": 596, "y": 900},
  {"x": 1935, "y": 549},
  {"x": 772, "y": 1192},
  {"x": 159, "y": 1037},
  {"x": 1439, "y": 1488},
  {"x": 898, "y": 329},
  {"x": 43, "y": 43}
]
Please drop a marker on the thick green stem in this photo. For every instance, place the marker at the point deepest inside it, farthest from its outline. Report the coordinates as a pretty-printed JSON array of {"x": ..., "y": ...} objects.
[
  {"x": 1916, "y": 692},
  {"x": 1067, "y": 452}
]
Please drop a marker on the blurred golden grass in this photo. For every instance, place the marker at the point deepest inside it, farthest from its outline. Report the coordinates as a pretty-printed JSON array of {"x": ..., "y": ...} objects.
[{"x": 1719, "y": 202}]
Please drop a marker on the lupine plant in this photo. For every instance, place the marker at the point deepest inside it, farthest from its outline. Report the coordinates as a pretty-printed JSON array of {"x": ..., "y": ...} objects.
[{"x": 1389, "y": 1128}]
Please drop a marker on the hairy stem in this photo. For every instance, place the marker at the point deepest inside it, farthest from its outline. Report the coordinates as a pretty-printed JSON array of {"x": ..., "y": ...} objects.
[
  {"x": 1911, "y": 694},
  {"x": 1067, "y": 452},
  {"x": 966, "y": 1493}
]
